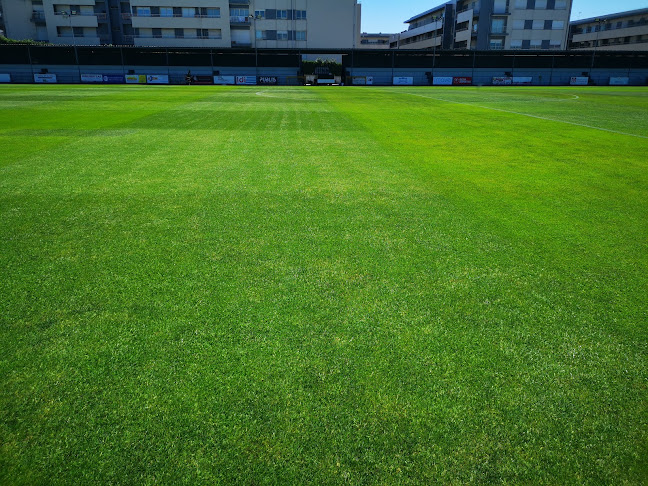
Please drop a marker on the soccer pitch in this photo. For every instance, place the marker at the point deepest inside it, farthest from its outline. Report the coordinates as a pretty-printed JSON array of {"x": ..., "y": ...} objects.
[{"x": 222, "y": 285}]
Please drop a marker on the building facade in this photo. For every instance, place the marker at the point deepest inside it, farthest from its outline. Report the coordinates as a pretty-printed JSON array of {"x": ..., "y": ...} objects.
[
  {"x": 623, "y": 31},
  {"x": 489, "y": 25},
  {"x": 374, "y": 41},
  {"x": 261, "y": 24}
]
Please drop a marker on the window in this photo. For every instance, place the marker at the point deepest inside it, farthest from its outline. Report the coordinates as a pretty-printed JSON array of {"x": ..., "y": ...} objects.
[
  {"x": 157, "y": 33},
  {"x": 536, "y": 44},
  {"x": 179, "y": 33},
  {"x": 561, "y": 5},
  {"x": 526, "y": 44},
  {"x": 78, "y": 31},
  {"x": 282, "y": 14},
  {"x": 496, "y": 44},
  {"x": 282, "y": 35},
  {"x": 518, "y": 24},
  {"x": 213, "y": 13},
  {"x": 547, "y": 24},
  {"x": 166, "y": 11},
  {"x": 202, "y": 33},
  {"x": 239, "y": 12},
  {"x": 188, "y": 11},
  {"x": 520, "y": 4},
  {"x": 300, "y": 14},
  {"x": 530, "y": 4},
  {"x": 300, "y": 35},
  {"x": 528, "y": 24},
  {"x": 538, "y": 24},
  {"x": 499, "y": 6},
  {"x": 259, "y": 35},
  {"x": 541, "y": 4},
  {"x": 168, "y": 33},
  {"x": 558, "y": 25},
  {"x": 498, "y": 26},
  {"x": 259, "y": 14},
  {"x": 143, "y": 11},
  {"x": 516, "y": 44}
]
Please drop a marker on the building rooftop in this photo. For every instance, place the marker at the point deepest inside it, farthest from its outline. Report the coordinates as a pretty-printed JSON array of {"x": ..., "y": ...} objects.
[
  {"x": 427, "y": 12},
  {"x": 611, "y": 16}
]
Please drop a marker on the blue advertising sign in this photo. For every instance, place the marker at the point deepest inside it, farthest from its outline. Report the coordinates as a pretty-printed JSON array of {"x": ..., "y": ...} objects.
[{"x": 113, "y": 78}]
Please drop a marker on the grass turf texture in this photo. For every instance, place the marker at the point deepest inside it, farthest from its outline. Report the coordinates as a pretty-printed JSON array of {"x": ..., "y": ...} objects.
[{"x": 289, "y": 286}]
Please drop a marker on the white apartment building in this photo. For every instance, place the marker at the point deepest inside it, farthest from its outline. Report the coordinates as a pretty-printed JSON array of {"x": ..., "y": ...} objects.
[
  {"x": 261, "y": 24},
  {"x": 623, "y": 31},
  {"x": 489, "y": 25}
]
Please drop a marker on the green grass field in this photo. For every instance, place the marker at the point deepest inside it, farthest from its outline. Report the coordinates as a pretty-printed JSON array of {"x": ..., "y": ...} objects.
[{"x": 221, "y": 285}]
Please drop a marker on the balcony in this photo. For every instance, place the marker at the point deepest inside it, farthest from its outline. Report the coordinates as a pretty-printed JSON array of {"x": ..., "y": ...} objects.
[
  {"x": 234, "y": 20},
  {"x": 38, "y": 17}
]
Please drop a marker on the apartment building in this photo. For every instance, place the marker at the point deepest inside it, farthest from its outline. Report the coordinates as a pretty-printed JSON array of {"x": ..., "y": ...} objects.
[
  {"x": 374, "y": 41},
  {"x": 261, "y": 24},
  {"x": 489, "y": 25},
  {"x": 623, "y": 31}
]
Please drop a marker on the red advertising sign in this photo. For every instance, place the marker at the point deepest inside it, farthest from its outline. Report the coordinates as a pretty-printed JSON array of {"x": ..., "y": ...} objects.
[{"x": 462, "y": 81}]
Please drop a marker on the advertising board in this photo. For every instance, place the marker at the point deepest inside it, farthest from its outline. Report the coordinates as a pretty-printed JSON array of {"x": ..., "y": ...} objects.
[
  {"x": 268, "y": 80},
  {"x": 579, "y": 81},
  {"x": 462, "y": 81},
  {"x": 5, "y": 78},
  {"x": 224, "y": 80},
  {"x": 442, "y": 81},
  {"x": 199, "y": 79},
  {"x": 135, "y": 79},
  {"x": 157, "y": 79},
  {"x": 113, "y": 78},
  {"x": 403, "y": 81},
  {"x": 502, "y": 81},
  {"x": 248, "y": 80},
  {"x": 91, "y": 78},
  {"x": 620, "y": 81},
  {"x": 370, "y": 80},
  {"x": 44, "y": 78}
]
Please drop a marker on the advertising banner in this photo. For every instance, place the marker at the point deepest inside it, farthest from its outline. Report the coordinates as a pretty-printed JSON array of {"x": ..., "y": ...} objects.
[
  {"x": 613, "y": 81},
  {"x": 44, "y": 78},
  {"x": 359, "y": 80},
  {"x": 579, "y": 81},
  {"x": 113, "y": 78},
  {"x": 522, "y": 81},
  {"x": 136, "y": 79},
  {"x": 442, "y": 81},
  {"x": 91, "y": 78},
  {"x": 462, "y": 81},
  {"x": 249, "y": 80},
  {"x": 325, "y": 80},
  {"x": 403, "y": 81},
  {"x": 199, "y": 79},
  {"x": 157, "y": 79},
  {"x": 224, "y": 80},
  {"x": 370, "y": 80},
  {"x": 5, "y": 78},
  {"x": 502, "y": 81},
  {"x": 268, "y": 80}
]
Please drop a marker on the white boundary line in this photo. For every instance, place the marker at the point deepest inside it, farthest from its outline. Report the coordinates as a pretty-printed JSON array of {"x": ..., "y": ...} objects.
[{"x": 529, "y": 115}]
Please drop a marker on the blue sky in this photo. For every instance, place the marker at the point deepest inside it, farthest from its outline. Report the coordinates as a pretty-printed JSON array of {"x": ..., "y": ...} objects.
[{"x": 388, "y": 15}]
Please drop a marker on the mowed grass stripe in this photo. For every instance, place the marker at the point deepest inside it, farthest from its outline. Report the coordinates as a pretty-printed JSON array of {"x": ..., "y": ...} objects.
[{"x": 408, "y": 296}]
